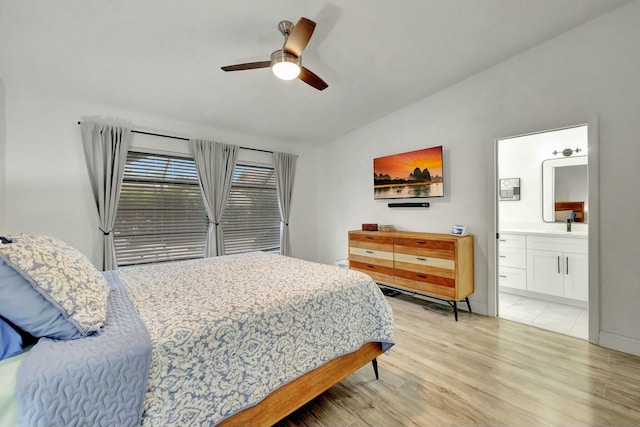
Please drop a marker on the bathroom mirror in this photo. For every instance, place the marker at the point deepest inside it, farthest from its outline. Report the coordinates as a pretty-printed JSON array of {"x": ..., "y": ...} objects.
[{"x": 564, "y": 189}]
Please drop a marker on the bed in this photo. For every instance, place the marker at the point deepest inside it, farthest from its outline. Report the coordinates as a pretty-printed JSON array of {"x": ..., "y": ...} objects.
[{"x": 233, "y": 340}]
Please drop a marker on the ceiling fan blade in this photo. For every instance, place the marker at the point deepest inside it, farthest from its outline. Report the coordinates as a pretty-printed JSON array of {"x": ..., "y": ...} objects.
[
  {"x": 311, "y": 78},
  {"x": 299, "y": 37},
  {"x": 247, "y": 66}
]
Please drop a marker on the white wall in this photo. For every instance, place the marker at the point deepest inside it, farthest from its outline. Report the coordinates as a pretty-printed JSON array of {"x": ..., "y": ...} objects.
[
  {"x": 48, "y": 190},
  {"x": 2, "y": 153},
  {"x": 592, "y": 70}
]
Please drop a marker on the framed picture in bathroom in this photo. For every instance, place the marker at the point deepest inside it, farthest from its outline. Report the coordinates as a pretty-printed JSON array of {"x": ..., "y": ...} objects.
[{"x": 509, "y": 189}]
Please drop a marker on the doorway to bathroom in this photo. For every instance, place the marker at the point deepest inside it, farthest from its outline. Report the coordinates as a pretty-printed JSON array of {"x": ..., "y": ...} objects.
[{"x": 543, "y": 214}]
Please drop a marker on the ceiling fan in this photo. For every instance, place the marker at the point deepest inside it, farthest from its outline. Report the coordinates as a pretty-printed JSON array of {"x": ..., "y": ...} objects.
[{"x": 286, "y": 63}]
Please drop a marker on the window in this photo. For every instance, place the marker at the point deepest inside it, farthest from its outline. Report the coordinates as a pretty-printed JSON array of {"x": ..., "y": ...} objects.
[
  {"x": 161, "y": 215},
  {"x": 251, "y": 220}
]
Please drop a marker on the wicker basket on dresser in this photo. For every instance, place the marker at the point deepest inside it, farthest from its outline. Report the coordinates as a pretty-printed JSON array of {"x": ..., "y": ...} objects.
[{"x": 430, "y": 264}]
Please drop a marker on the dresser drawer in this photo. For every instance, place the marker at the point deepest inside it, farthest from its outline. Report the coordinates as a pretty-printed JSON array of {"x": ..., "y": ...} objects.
[
  {"x": 379, "y": 273},
  {"x": 425, "y": 248},
  {"x": 507, "y": 240},
  {"x": 371, "y": 242},
  {"x": 512, "y": 278},
  {"x": 512, "y": 257},
  {"x": 371, "y": 256},
  {"x": 437, "y": 286},
  {"x": 425, "y": 261},
  {"x": 371, "y": 237}
]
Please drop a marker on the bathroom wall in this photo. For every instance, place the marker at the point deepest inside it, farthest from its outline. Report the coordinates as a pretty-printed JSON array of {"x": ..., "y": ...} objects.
[{"x": 522, "y": 157}]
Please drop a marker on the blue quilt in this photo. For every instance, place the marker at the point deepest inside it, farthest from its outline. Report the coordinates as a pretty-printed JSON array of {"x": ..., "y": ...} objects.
[{"x": 93, "y": 381}]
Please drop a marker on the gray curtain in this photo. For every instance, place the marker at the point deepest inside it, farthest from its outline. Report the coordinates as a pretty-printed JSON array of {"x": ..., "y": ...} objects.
[
  {"x": 105, "y": 151},
  {"x": 285, "y": 167},
  {"x": 215, "y": 162}
]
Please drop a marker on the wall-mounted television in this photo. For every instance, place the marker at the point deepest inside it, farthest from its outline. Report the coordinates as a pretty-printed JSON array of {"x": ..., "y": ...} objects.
[{"x": 414, "y": 174}]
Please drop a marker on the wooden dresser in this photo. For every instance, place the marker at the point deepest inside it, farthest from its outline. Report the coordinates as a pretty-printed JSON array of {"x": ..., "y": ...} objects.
[{"x": 435, "y": 265}]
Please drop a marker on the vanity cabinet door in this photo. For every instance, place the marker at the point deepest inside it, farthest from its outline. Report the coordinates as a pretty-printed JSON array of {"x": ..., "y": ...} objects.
[
  {"x": 576, "y": 276},
  {"x": 545, "y": 272}
]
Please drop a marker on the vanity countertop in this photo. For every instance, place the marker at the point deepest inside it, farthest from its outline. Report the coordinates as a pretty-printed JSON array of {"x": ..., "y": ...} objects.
[{"x": 555, "y": 233}]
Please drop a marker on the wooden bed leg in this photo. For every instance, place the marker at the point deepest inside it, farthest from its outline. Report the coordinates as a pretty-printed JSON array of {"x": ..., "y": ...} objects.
[{"x": 374, "y": 362}]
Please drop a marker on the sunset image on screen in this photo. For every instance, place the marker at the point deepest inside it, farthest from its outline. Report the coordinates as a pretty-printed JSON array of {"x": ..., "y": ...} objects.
[{"x": 406, "y": 175}]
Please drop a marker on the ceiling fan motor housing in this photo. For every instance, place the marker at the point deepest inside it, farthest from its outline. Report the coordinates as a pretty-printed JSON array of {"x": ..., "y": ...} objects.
[{"x": 285, "y": 66}]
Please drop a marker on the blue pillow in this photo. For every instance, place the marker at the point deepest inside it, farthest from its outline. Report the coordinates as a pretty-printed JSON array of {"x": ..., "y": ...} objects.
[
  {"x": 10, "y": 341},
  {"x": 64, "y": 277},
  {"x": 26, "y": 308}
]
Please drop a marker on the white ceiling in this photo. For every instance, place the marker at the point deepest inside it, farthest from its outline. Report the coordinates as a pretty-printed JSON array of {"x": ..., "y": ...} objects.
[{"x": 163, "y": 57}]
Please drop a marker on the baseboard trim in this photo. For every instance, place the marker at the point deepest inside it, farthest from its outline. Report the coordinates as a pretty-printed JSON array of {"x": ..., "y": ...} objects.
[{"x": 620, "y": 343}]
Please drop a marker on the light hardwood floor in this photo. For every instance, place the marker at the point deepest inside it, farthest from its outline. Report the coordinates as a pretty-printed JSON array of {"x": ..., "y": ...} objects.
[{"x": 481, "y": 371}]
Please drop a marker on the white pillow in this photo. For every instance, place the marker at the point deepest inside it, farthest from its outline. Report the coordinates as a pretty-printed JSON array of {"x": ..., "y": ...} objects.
[{"x": 563, "y": 216}]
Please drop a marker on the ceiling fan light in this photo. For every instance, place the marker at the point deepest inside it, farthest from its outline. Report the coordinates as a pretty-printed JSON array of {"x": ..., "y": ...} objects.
[{"x": 285, "y": 66}]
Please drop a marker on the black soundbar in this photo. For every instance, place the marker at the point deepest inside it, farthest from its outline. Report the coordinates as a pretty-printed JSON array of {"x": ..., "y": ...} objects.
[{"x": 409, "y": 205}]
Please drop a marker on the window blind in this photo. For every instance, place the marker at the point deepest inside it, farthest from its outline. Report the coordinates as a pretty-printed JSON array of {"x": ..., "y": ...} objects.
[
  {"x": 161, "y": 215},
  {"x": 251, "y": 220}
]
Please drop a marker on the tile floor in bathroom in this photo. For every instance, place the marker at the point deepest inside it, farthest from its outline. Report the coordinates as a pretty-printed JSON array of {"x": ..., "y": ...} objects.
[{"x": 564, "y": 319}]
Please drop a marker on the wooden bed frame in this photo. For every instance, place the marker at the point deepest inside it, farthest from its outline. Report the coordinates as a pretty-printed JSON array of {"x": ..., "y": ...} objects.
[{"x": 302, "y": 390}]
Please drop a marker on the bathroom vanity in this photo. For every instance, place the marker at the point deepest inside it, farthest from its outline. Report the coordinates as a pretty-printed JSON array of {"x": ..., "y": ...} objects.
[{"x": 546, "y": 265}]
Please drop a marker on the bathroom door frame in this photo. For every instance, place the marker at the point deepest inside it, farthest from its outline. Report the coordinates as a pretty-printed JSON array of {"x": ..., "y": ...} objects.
[{"x": 593, "y": 223}]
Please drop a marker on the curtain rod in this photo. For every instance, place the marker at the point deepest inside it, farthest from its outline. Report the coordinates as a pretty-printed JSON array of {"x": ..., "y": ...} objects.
[{"x": 187, "y": 139}]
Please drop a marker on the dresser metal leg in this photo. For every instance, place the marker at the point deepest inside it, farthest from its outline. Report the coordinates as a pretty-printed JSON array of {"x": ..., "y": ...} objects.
[{"x": 468, "y": 305}]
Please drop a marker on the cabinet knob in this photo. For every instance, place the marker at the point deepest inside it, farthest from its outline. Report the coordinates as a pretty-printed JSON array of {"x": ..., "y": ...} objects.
[
  {"x": 369, "y": 252},
  {"x": 420, "y": 259}
]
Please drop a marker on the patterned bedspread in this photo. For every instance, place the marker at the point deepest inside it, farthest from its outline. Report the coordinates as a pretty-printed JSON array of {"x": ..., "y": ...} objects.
[{"x": 227, "y": 331}]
